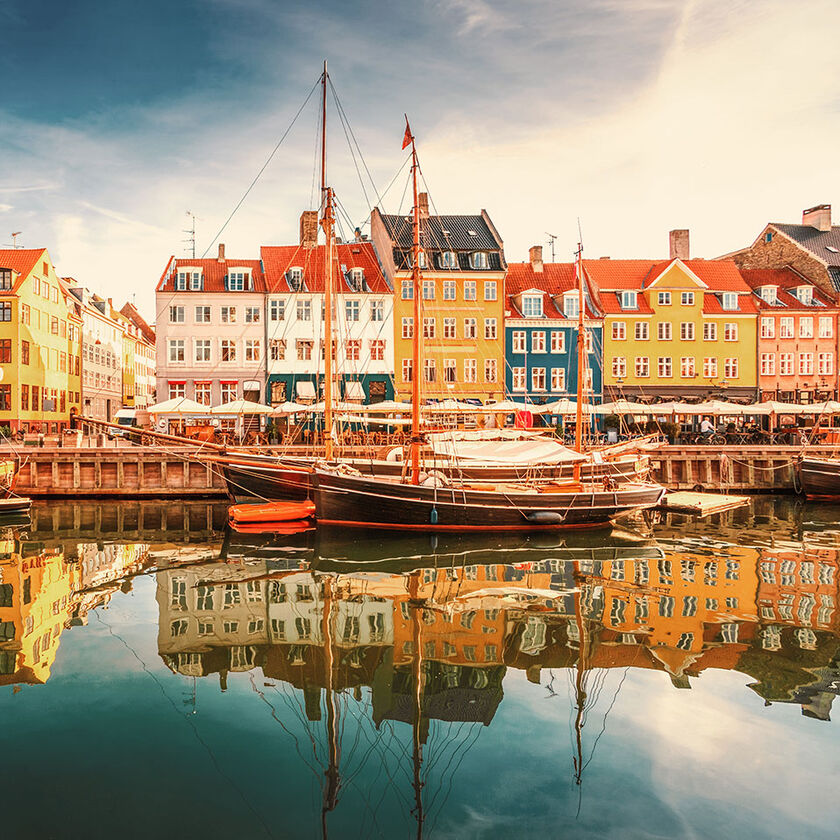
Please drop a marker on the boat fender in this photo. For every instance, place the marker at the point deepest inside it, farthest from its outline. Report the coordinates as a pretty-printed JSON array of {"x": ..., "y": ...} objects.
[
  {"x": 433, "y": 516},
  {"x": 545, "y": 517}
]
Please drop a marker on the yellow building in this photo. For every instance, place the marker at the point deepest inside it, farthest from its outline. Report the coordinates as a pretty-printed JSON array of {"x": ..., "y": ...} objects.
[
  {"x": 678, "y": 329},
  {"x": 462, "y": 305},
  {"x": 39, "y": 344}
]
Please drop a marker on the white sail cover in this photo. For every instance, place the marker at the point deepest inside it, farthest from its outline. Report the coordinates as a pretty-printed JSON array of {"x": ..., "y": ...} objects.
[{"x": 522, "y": 453}]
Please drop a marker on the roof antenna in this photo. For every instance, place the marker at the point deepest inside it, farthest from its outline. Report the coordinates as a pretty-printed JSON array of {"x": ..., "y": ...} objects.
[
  {"x": 190, "y": 241},
  {"x": 15, "y": 235},
  {"x": 551, "y": 238}
]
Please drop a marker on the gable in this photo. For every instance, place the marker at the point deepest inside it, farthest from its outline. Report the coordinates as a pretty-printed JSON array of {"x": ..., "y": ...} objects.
[{"x": 677, "y": 275}]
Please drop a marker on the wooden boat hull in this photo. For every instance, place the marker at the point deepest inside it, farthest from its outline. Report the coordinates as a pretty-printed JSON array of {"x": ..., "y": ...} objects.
[
  {"x": 15, "y": 504},
  {"x": 265, "y": 478},
  {"x": 819, "y": 478},
  {"x": 350, "y": 501}
]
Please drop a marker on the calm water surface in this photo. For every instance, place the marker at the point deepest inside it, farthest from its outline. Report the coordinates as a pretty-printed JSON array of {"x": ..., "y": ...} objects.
[{"x": 160, "y": 677}]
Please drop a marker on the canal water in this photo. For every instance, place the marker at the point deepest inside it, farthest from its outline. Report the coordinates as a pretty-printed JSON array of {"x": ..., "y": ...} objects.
[{"x": 161, "y": 677}]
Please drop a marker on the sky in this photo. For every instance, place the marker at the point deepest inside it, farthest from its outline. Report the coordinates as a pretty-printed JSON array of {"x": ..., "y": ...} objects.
[{"x": 626, "y": 117}]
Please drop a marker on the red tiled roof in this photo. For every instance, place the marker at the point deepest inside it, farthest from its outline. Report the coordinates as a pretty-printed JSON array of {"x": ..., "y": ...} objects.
[
  {"x": 746, "y": 304},
  {"x": 718, "y": 275},
  {"x": 784, "y": 279},
  {"x": 611, "y": 305},
  {"x": 278, "y": 259},
  {"x": 618, "y": 274},
  {"x": 214, "y": 273},
  {"x": 21, "y": 260},
  {"x": 554, "y": 279}
]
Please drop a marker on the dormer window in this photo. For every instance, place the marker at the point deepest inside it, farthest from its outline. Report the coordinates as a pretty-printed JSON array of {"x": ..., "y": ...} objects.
[
  {"x": 356, "y": 278},
  {"x": 5, "y": 279},
  {"x": 478, "y": 260},
  {"x": 422, "y": 259},
  {"x": 238, "y": 280},
  {"x": 180, "y": 282},
  {"x": 532, "y": 306},
  {"x": 805, "y": 295},
  {"x": 729, "y": 301},
  {"x": 628, "y": 300},
  {"x": 448, "y": 259},
  {"x": 571, "y": 306},
  {"x": 195, "y": 282},
  {"x": 768, "y": 294}
]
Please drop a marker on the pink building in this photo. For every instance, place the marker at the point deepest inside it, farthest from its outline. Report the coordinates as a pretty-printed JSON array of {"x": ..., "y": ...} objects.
[{"x": 797, "y": 336}]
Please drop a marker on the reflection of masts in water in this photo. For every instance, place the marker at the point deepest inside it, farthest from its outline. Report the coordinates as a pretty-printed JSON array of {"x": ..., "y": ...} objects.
[
  {"x": 332, "y": 774},
  {"x": 417, "y": 722},
  {"x": 580, "y": 678}
]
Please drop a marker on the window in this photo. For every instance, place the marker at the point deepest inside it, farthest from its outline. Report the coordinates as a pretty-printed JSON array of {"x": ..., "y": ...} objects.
[
  {"x": 619, "y": 367},
  {"x": 449, "y": 290},
  {"x": 24, "y": 398},
  {"x": 176, "y": 314},
  {"x": 332, "y": 353},
  {"x": 377, "y": 349},
  {"x": 806, "y": 327},
  {"x": 558, "y": 379},
  {"x": 518, "y": 378},
  {"x": 805, "y": 294},
  {"x": 54, "y": 325},
  {"x": 729, "y": 301},
  {"x": 5, "y": 279},
  {"x": 642, "y": 331},
  {"x": 429, "y": 370},
  {"x": 6, "y": 350},
  {"x": 785, "y": 364},
  {"x": 490, "y": 370},
  {"x": 176, "y": 349},
  {"x": 489, "y": 329},
  {"x": 710, "y": 332},
  {"x": 558, "y": 341},
  {"x": 428, "y": 328},
  {"x": 228, "y": 350},
  {"x": 490, "y": 292},
  {"x": 786, "y": 328},
  {"x": 180, "y": 282},
  {"x": 470, "y": 370},
  {"x": 25, "y": 313},
  {"x": 303, "y": 348},
  {"x": 664, "y": 367},
  {"x": 687, "y": 331},
  {"x": 532, "y": 306},
  {"x": 687, "y": 370},
  {"x": 277, "y": 349},
  {"x": 538, "y": 342},
  {"x": 628, "y": 300},
  {"x": 470, "y": 328},
  {"x": 353, "y": 350},
  {"x": 196, "y": 281},
  {"x": 202, "y": 349},
  {"x": 663, "y": 331},
  {"x": 571, "y": 306},
  {"x": 619, "y": 331},
  {"x": 767, "y": 364},
  {"x": 5, "y": 397},
  {"x": 252, "y": 314},
  {"x": 351, "y": 310},
  {"x": 407, "y": 290},
  {"x": 236, "y": 281},
  {"x": 768, "y": 328},
  {"x": 826, "y": 328},
  {"x": 428, "y": 290},
  {"x": 730, "y": 368},
  {"x": 664, "y": 298},
  {"x": 642, "y": 366},
  {"x": 469, "y": 290},
  {"x": 202, "y": 314},
  {"x": 449, "y": 370},
  {"x": 448, "y": 259},
  {"x": 406, "y": 370},
  {"x": 479, "y": 260},
  {"x": 408, "y": 327},
  {"x": 304, "y": 310},
  {"x": 825, "y": 364},
  {"x": 449, "y": 328},
  {"x": 730, "y": 332},
  {"x": 377, "y": 310},
  {"x": 228, "y": 314},
  {"x": 277, "y": 310},
  {"x": 518, "y": 341},
  {"x": 538, "y": 379},
  {"x": 687, "y": 298},
  {"x": 228, "y": 391},
  {"x": 806, "y": 364},
  {"x": 252, "y": 350},
  {"x": 202, "y": 392},
  {"x": 176, "y": 391}
]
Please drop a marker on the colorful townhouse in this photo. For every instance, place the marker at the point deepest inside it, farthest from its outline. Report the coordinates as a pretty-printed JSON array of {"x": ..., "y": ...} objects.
[
  {"x": 679, "y": 329},
  {"x": 39, "y": 345},
  {"x": 362, "y": 324},
  {"x": 140, "y": 393},
  {"x": 541, "y": 330},
  {"x": 462, "y": 306},
  {"x": 210, "y": 330},
  {"x": 797, "y": 336}
]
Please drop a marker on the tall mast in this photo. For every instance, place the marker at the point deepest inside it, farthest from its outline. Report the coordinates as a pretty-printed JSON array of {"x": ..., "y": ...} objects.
[
  {"x": 328, "y": 223},
  {"x": 416, "y": 284},
  {"x": 581, "y": 357}
]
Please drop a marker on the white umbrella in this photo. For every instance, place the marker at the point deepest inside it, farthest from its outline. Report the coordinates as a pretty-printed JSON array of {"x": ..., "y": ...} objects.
[
  {"x": 451, "y": 407},
  {"x": 509, "y": 406},
  {"x": 179, "y": 405},
  {"x": 623, "y": 407},
  {"x": 289, "y": 408},
  {"x": 337, "y": 406},
  {"x": 385, "y": 407},
  {"x": 565, "y": 407},
  {"x": 828, "y": 407},
  {"x": 241, "y": 407}
]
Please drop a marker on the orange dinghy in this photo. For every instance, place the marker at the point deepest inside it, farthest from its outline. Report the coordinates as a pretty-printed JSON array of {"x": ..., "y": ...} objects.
[{"x": 271, "y": 512}]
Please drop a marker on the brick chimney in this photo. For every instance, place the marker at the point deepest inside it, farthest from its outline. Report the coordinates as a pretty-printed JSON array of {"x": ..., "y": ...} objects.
[
  {"x": 818, "y": 217},
  {"x": 221, "y": 252},
  {"x": 309, "y": 228},
  {"x": 423, "y": 204},
  {"x": 535, "y": 256},
  {"x": 678, "y": 244}
]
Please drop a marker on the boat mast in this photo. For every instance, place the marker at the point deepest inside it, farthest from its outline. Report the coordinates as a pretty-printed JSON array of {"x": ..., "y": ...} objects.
[
  {"x": 581, "y": 357},
  {"x": 328, "y": 224},
  {"x": 416, "y": 290}
]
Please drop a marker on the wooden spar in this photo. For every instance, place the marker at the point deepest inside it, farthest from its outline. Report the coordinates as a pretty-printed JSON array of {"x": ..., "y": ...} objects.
[
  {"x": 327, "y": 222},
  {"x": 135, "y": 430},
  {"x": 415, "y": 363},
  {"x": 581, "y": 359}
]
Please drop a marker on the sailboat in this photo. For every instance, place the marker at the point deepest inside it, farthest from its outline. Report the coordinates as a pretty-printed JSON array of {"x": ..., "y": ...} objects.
[{"x": 437, "y": 502}]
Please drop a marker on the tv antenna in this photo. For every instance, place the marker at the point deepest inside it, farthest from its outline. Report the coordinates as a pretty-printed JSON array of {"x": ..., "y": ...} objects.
[
  {"x": 15, "y": 235},
  {"x": 190, "y": 241},
  {"x": 551, "y": 238}
]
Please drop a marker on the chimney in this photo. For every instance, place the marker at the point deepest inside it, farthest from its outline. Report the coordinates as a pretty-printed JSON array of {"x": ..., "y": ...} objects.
[
  {"x": 309, "y": 228},
  {"x": 423, "y": 203},
  {"x": 535, "y": 256},
  {"x": 357, "y": 235},
  {"x": 221, "y": 252},
  {"x": 818, "y": 217},
  {"x": 678, "y": 242}
]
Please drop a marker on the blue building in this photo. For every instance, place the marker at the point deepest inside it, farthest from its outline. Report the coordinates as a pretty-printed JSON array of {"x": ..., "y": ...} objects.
[{"x": 541, "y": 327}]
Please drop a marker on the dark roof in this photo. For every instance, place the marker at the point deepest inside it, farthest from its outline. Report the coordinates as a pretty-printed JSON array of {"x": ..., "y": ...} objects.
[
  {"x": 818, "y": 242},
  {"x": 785, "y": 280},
  {"x": 444, "y": 233}
]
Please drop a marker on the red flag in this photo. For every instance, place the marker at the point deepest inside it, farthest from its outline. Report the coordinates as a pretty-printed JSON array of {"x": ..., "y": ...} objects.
[{"x": 407, "y": 138}]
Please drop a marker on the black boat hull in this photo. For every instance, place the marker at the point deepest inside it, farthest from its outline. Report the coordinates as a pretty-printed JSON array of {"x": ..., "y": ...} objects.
[{"x": 819, "y": 478}]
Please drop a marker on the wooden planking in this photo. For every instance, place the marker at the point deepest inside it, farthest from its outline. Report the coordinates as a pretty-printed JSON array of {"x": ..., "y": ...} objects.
[{"x": 700, "y": 504}]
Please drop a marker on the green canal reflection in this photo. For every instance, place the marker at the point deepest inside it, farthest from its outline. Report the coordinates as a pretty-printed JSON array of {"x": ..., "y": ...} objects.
[{"x": 161, "y": 676}]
